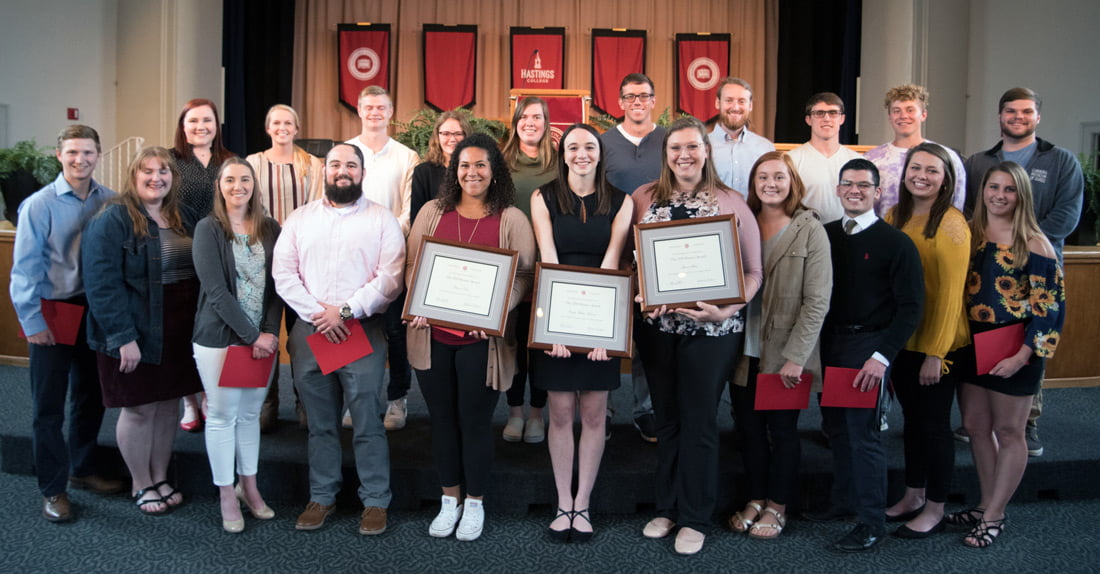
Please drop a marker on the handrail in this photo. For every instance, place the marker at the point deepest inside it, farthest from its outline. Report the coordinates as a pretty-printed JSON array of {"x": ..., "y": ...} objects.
[{"x": 111, "y": 170}]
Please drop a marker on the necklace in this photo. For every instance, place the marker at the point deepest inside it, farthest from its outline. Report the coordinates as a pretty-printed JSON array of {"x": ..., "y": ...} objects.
[{"x": 471, "y": 238}]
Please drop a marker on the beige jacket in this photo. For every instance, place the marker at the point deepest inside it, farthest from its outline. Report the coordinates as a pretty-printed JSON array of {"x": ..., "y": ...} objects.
[
  {"x": 798, "y": 282},
  {"x": 515, "y": 234}
]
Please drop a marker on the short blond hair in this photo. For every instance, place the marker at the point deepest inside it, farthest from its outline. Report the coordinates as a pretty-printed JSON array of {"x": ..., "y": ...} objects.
[
  {"x": 374, "y": 91},
  {"x": 906, "y": 93}
]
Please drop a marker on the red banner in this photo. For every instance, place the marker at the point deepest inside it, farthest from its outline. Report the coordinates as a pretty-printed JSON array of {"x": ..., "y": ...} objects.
[
  {"x": 564, "y": 112},
  {"x": 702, "y": 60},
  {"x": 450, "y": 66},
  {"x": 364, "y": 59},
  {"x": 615, "y": 53},
  {"x": 538, "y": 58}
]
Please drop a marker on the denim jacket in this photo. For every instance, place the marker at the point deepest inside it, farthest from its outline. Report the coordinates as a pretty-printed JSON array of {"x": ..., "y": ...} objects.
[{"x": 122, "y": 282}]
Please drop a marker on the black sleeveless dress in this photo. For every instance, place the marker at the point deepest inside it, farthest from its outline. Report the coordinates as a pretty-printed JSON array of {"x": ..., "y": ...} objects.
[{"x": 581, "y": 239}]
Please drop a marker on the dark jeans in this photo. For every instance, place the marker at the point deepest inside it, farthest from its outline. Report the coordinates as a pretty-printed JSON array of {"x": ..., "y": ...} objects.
[
  {"x": 55, "y": 371},
  {"x": 771, "y": 450},
  {"x": 929, "y": 447},
  {"x": 400, "y": 372},
  {"x": 519, "y": 381},
  {"x": 461, "y": 409},
  {"x": 859, "y": 461},
  {"x": 686, "y": 375}
]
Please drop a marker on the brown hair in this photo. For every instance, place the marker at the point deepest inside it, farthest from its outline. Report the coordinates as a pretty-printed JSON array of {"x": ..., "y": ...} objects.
[
  {"x": 435, "y": 150},
  {"x": 501, "y": 193},
  {"x": 218, "y": 152},
  {"x": 825, "y": 98},
  {"x": 903, "y": 211},
  {"x": 170, "y": 205},
  {"x": 559, "y": 188},
  {"x": 1014, "y": 94},
  {"x": 905, "y": 93},
  {"x": 511, "y": 149},
  {"x": 78, "y": 132},
  {"x": 1024, "y": 225},
  {"x": 794, "y": 197},
  {"x": 255, "y": 214},
  {"x": 662, "y": 190}
]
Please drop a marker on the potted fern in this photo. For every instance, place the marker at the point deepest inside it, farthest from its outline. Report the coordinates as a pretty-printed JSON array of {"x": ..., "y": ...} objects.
[{"x": 24, "y": 168}]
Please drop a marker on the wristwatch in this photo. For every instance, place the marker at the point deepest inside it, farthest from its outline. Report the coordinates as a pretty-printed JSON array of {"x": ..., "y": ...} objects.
[{"x": 345, "y": 312}]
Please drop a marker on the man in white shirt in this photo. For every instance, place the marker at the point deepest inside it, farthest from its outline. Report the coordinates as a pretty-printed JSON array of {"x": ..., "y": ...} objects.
[
  {"x": 734, "y": 148},
  {"x": 820, "y": 159},
  {"x": 388, "y": 167}
]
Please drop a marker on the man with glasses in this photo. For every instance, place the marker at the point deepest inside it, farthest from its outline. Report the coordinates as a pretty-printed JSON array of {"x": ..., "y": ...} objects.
[
  {"x": 820, "y": 159},
  {"x": 878, "y": 292},
  {"x": 733, "y": 146},
  {"x": 632, "y": 158},
  {"x": 907, "y": 107}
]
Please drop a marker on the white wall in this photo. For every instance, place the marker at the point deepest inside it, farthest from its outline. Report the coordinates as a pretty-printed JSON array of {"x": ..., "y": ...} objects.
[
  {"x": 57, "y": 54},
  {"x": 1047, "y": 46}
]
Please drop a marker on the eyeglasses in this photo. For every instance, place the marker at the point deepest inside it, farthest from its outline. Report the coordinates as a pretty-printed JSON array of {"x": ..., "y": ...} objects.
[
  {"x": 451, "y": 135},
  {"x": 862, "y": 185},
  {"x": 629, "y": 98},
  {"x": 820, "y": 114}
]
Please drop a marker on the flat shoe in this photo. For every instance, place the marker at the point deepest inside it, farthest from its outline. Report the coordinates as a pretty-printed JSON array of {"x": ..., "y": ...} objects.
[
  {"x": 561, "y": 535},
  {"x": 907, "y": 533},
  {"x": 689, "y": 541},
  {"x": 658, "y": 527},
  {"x": 738, "y": 523},
  {"x": 781, "y": 523},
  {"x": 580, "y": 535},
  {"x": 905, "y": 516}
]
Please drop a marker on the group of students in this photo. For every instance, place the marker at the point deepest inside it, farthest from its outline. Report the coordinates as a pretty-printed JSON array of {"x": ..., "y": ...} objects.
[{"x": 170, "y": 287}]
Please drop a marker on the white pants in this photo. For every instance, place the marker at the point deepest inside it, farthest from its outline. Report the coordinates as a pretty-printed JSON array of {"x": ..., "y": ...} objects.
[{"x": 232, "y": 419}]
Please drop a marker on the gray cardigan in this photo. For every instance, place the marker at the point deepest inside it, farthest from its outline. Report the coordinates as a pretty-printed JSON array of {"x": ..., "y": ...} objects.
[{"x": 220, "y": 321}]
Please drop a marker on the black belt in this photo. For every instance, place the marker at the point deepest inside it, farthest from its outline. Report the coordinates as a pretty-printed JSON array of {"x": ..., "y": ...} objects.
[{"x": 853, "y": 329}]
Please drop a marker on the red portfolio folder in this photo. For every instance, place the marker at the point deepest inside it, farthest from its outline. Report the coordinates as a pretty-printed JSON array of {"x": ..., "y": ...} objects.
[
  {"x": 839, "y": 392},
  {"x": 332, "y": 356},
  {"x": 63, "y": 319},
  {"x": 241, "y": 370},
  {"x": 772, "y": 395},
  {"x": 992, "y": 347}
]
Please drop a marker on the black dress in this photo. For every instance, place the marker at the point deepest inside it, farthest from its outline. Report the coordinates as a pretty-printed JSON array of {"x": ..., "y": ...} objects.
[{"x": 581, "y": 239}]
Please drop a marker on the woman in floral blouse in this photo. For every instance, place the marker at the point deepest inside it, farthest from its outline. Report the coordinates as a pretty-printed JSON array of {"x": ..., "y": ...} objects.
[{"x": 1014, "y": 278}]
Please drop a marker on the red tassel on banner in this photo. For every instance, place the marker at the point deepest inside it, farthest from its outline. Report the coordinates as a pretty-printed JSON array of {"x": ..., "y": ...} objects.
[
  {"x": 702, "y": 60},
  {"x": 450, "y": 66},
  {"x": 615, "y": 53},
  {"x": 538, "y": 58},
  {"x": 364, "y": 59}
]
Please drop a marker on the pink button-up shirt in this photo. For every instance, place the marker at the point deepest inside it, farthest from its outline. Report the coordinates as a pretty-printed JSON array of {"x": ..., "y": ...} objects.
[{"x": 354, "y": 254}]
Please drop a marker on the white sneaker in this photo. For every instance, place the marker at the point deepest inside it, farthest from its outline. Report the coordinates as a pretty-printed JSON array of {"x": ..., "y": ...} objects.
[
  {"x": 513, "y": 429},
  {"x": 444, "y": 523},
  {"x": 396, "y": 414},
  {"x": 473, "y": 520}
]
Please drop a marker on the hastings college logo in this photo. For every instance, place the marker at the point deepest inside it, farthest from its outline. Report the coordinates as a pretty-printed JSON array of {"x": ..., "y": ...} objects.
[
  {"x": 702, "y": 73},
  {"x": 363, "y": 64},
  {"x": 535, "y": 74}
]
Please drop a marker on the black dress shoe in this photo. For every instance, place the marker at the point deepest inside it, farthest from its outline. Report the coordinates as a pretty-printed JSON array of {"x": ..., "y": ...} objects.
[
  {"x": 861, "y": 538},
  {"x": 647, "y": 427},
  {"x": 832, "y": 514},
  {"x": 904, "y": 531}
]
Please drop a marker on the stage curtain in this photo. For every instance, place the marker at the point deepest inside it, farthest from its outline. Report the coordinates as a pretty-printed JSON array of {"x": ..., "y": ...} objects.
[{"x": 751, "y": 22}]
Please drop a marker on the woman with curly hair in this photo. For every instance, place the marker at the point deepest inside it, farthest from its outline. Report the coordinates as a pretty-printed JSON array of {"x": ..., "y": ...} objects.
[
  {"x": 461, "y": 374},
  {"x": 1014, "y": 278}
]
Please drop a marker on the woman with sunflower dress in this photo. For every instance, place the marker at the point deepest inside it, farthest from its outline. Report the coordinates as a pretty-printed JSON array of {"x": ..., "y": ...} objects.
[{"x": 1014, "y": 278}]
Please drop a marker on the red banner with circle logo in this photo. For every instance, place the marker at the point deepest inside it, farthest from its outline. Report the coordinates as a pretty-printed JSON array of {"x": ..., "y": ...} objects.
[
  {"x": 450, "y": 66},
  {"x": 615, "y": 53},
  {"x": 702, "y": 60},
  {"x": 364, "y": 59},
  {"x": 538, "y": 58}
]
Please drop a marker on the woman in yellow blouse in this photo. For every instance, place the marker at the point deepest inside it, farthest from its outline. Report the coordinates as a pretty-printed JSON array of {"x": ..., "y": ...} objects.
[{"x": 921, "y": 373}]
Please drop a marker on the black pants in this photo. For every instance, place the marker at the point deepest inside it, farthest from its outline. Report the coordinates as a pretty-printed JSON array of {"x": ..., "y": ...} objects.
[
  {"x": 461, "y": 409},
  {"x": 400, "y": 372},
  {"x": 56, "y": 371},
  {"x": 519, "y": 381},
  {"x": 859, "y": 461},
  {"x": 686, "y": 375},
  {"x": 929, "y": 447},
  {"x": 771, "y": 450}
]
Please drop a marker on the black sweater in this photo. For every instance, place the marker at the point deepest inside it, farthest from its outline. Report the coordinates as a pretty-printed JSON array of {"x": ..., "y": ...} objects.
[{"x": 877, "y": 282}]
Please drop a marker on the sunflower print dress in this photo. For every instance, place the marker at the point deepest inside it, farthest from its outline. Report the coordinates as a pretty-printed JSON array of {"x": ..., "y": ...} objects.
[{"x": 999, "y": 294}]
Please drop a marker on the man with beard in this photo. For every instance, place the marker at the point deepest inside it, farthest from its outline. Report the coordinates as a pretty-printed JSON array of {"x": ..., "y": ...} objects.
[
  {"x": 1057, "y": 189},
  {"x": 735, "y": 148},
  {"x": 339, "y": 258}
]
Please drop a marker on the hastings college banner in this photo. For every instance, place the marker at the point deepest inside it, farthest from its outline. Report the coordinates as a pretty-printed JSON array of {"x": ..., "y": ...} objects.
[
  {"x": 364, "y": 59},
  {"x": 450, "y": 66},
  {"x": 702, "y": 60},
  {"x": 538, "y": 58},
  {"x": 615, "y": 53}
]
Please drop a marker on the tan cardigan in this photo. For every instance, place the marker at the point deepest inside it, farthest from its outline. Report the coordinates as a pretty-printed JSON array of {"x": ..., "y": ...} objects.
[
  {"x": 515, "y": 234},
  {"x": 798, "y": 282}
]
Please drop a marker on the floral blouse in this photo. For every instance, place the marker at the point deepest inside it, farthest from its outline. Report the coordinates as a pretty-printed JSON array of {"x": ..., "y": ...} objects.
[
  {"x": 684, "y": 206},
  {"x": 999, "y": 293}
]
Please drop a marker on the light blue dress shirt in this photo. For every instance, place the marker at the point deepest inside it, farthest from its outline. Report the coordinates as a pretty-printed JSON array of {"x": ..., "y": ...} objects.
[{"x": 733, "y": 156}]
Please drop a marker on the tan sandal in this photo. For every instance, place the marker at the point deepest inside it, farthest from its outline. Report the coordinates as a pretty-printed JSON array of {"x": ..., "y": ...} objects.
[
  {"x": 739, "y": 524},
  {"x": 755, "y": 533}
]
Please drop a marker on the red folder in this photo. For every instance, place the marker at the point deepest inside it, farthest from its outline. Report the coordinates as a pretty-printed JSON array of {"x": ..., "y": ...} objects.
[
  {"x": 772, "y": 395},
  {"x": 992, "y": 347},
  {"x": 241, "y": 370},
  {"x": 839, "y": 392},
  {"x": 63, "y": 319},
  {"x": 332, "y": 356}
]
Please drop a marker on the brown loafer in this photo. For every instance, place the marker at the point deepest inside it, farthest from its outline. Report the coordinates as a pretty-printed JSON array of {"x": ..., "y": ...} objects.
[
  {"x": 97, "y": 484},
  {"x": 373, "y": 521},
  {"x": 314, "y": 516},
  {"x": 57, "y": 508}
]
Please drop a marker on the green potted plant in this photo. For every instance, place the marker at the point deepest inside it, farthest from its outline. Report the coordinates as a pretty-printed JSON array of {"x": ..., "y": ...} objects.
[
  {"x": 1092, "y": 191},
  {"x": 416, "y": 132},
  {"x": 24, "y": 168}
]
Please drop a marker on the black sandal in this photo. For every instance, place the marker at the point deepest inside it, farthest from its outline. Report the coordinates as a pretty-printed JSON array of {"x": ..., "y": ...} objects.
[
  {"x": 577, "y": 535},
  {"x": 141, "y": 503},
  {"x": 970, "y": 517},
  {"x": 561, "y": 535},
  {"x": 173, "y": 492},
  {"x": 985, "y": 533}
]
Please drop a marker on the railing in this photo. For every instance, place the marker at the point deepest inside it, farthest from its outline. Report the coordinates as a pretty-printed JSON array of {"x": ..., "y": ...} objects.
[{"x": 111, "y": 170}]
